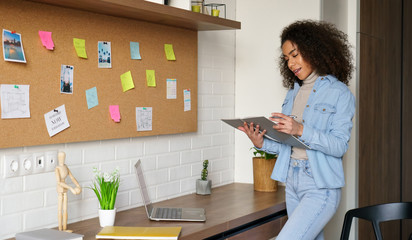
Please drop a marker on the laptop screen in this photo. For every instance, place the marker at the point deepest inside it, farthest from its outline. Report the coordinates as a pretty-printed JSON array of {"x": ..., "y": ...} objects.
[{"x": 143, "y": 189}]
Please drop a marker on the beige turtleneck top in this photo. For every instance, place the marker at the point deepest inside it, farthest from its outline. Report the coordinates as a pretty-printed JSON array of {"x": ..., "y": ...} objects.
[{"x": 298, "y": 108}]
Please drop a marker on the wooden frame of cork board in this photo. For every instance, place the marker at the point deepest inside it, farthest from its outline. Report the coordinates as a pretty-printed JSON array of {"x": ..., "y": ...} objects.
[{"x": 42, "y": 73}]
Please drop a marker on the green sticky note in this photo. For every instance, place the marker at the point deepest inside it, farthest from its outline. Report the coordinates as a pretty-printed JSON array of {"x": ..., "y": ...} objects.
[
  {"x": 150, "y": 78},
  {"x": 170, "y": 55},
  {"x": 127, "y": 81},
  {"x": 80, "y": 46}
]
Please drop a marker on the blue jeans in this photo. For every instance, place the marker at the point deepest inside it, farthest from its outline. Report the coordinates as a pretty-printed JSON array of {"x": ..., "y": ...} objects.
[{"x": 309, "y": 208}]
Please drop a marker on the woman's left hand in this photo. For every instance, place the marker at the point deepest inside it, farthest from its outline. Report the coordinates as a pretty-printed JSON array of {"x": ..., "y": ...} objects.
[{"x": 287, "y": 124}]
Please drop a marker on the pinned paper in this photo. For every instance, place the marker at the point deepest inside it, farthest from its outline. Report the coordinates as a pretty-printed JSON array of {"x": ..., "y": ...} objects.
[
  {"x": 150, "y": 78},
  {"x": 56, "y": 120},
  {"x": 15, "y": 101},
  {"x": 13, "y": 47},
  {"x": 114, "y": 112},
  {"x": 104, "y": 50},
  {"x": 91, "y": 98},
  {"x": 187, "y": 100},
  {"x": 80, "y": 46},
  {"x": 127, "y": 81},
  {"x": 46, "y": 39},
  {"x": 135, "y": 50},
  {"x": 171, "y": 88},
  {"x": 144, "y": 118},
  {"x": 170, "y": 55}
]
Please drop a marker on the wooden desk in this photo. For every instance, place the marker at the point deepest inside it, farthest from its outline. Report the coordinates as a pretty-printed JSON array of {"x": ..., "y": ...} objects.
[{"x": 231, "y": 207}]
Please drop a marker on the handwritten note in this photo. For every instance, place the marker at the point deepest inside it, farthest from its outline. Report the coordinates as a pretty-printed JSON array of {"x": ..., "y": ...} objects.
[
  {"x": 127, "y": 81},
  {"x": 187, "y": 100},
  {"x": 80, "y": 46},
  {"x": 144, "y": 118},
  {"x": 170, "y": 55},
  {"x": 91, "y": 97},
  {"x": 15, "y": 101},
  {"x": 150, "y": 78},
  {"x": 171, "y": 88},
  {"x": 56, "y": 120},
  {"x": 46, "y": 39},
  {"x": 114, "y": 112},
  {"x": 135, "y": 50}
]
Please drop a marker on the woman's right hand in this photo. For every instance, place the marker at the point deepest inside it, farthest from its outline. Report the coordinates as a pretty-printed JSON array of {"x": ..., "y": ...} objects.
[{"x": 254, "y": 135}]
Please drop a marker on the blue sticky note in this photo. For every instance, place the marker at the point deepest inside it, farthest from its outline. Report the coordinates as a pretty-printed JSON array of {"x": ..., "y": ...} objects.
[
  {"x": 91, "y": 97},
  {"x": 135, "y": 50}
]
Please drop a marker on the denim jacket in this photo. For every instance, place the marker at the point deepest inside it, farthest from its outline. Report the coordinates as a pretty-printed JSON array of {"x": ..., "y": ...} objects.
[{"x": 327, "y": 125}]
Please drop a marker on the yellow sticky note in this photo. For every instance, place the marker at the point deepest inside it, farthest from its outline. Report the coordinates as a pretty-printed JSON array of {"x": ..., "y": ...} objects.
[
  {"x": 170, "y": 55},
  {"x": 80, "y": 46},
  {"x": 127, "y": 81},
  {"x": 150, "y": 78}
]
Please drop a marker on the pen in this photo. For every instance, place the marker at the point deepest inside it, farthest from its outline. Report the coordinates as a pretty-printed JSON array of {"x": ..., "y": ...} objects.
[{"x": 291, "y": 116}]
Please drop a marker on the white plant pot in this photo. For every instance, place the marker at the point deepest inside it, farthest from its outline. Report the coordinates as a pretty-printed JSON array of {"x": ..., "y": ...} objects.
[{"x": 107, "y": 217}]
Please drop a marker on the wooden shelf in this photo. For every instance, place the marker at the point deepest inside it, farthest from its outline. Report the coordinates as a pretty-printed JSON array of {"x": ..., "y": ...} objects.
[{"x": 149, "y": 12}]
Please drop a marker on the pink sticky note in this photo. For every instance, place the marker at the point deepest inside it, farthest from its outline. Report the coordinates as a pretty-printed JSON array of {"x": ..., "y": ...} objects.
[
  {"x": 114, "y": 112},
  {"x": 46, "y": 39}
]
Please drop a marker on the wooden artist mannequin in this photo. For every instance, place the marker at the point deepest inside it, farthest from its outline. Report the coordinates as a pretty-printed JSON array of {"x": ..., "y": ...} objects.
[{"x": 62, "y": 171}]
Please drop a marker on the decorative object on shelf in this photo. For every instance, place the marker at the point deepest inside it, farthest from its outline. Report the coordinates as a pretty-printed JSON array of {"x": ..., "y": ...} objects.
[
  {"x": 203, "y": 185},
  {"x": 183, "y": 4},
  {"x": 105, "y": 186},
  {"x": 263, "y": 164},
  {"x": 197, "y": 6},
  {"x": 215, "y": 9},
  {"x": 62, "y": 171}
]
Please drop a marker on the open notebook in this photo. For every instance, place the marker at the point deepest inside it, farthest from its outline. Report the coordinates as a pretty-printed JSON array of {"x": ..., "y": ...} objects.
[{"x": 166, "y": 213}]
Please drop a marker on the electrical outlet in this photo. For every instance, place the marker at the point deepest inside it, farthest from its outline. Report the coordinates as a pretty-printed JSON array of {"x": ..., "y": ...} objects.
[
  {"x": 51, "y": 161},
  {"x": 11, "y": 166},
  {"x": 39, "y": 162},
  {"x": 26, "y": 164}
]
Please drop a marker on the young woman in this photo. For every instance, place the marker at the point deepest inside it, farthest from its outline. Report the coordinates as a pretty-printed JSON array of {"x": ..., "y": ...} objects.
[{"x": 316, "y": 64}]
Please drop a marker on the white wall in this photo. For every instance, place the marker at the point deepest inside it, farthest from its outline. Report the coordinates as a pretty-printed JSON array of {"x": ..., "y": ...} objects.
[
  {"x": 259, "y": 89},
  {"x": 172, "y": 162},
  {"x": 344, "y": 15}
]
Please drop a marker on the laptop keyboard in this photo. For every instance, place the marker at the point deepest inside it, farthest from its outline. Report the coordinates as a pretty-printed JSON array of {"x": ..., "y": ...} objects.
[{"x": 168, "y": 213}]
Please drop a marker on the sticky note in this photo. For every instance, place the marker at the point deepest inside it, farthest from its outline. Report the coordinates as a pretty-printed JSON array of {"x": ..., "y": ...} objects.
[
  {"x": 127, "y": 81},
  {"x": 46, "y": 39},
  {"x": 135, "y": 50},
  {"x": 91, "y": 97},
  {"x": 80, "y": 46},
  {"x": 114, "y": 112},
  {"x": 150, "y": 78},
  {"x": 170, "y": 55}
]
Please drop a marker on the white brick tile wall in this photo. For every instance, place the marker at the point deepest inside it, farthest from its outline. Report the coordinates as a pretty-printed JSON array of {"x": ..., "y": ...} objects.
[
  {"x": 41, "y": 217},
  {"x": 39, "y": 181},
  {"x": 10, "y": 185},
  {"x": 191, "y": 156},
  {"x": 10, "y": 225},
  {"x": 171, "y": 163},
  {"x": 212, "y": 153},
  {"x": 22, "y": 202},
  {"x": 168, "y": 160}
]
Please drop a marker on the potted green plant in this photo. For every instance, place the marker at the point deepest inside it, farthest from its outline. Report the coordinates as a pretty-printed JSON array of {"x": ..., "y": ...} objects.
[
  {"x": 263, "y": 164},
  {"x": 105, "y": 185},
  {"x": 204, "y": 185}
]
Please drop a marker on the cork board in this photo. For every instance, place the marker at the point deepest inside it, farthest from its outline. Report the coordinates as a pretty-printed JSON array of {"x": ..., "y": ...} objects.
[{"x": 42, "y": 73}]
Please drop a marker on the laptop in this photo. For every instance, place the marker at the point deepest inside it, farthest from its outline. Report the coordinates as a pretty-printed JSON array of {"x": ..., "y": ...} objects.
[{"x": 166, "y": 213}]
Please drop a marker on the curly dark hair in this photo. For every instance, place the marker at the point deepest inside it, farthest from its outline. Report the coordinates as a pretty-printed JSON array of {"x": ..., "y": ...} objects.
[{"x": 320, "y": 44}]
